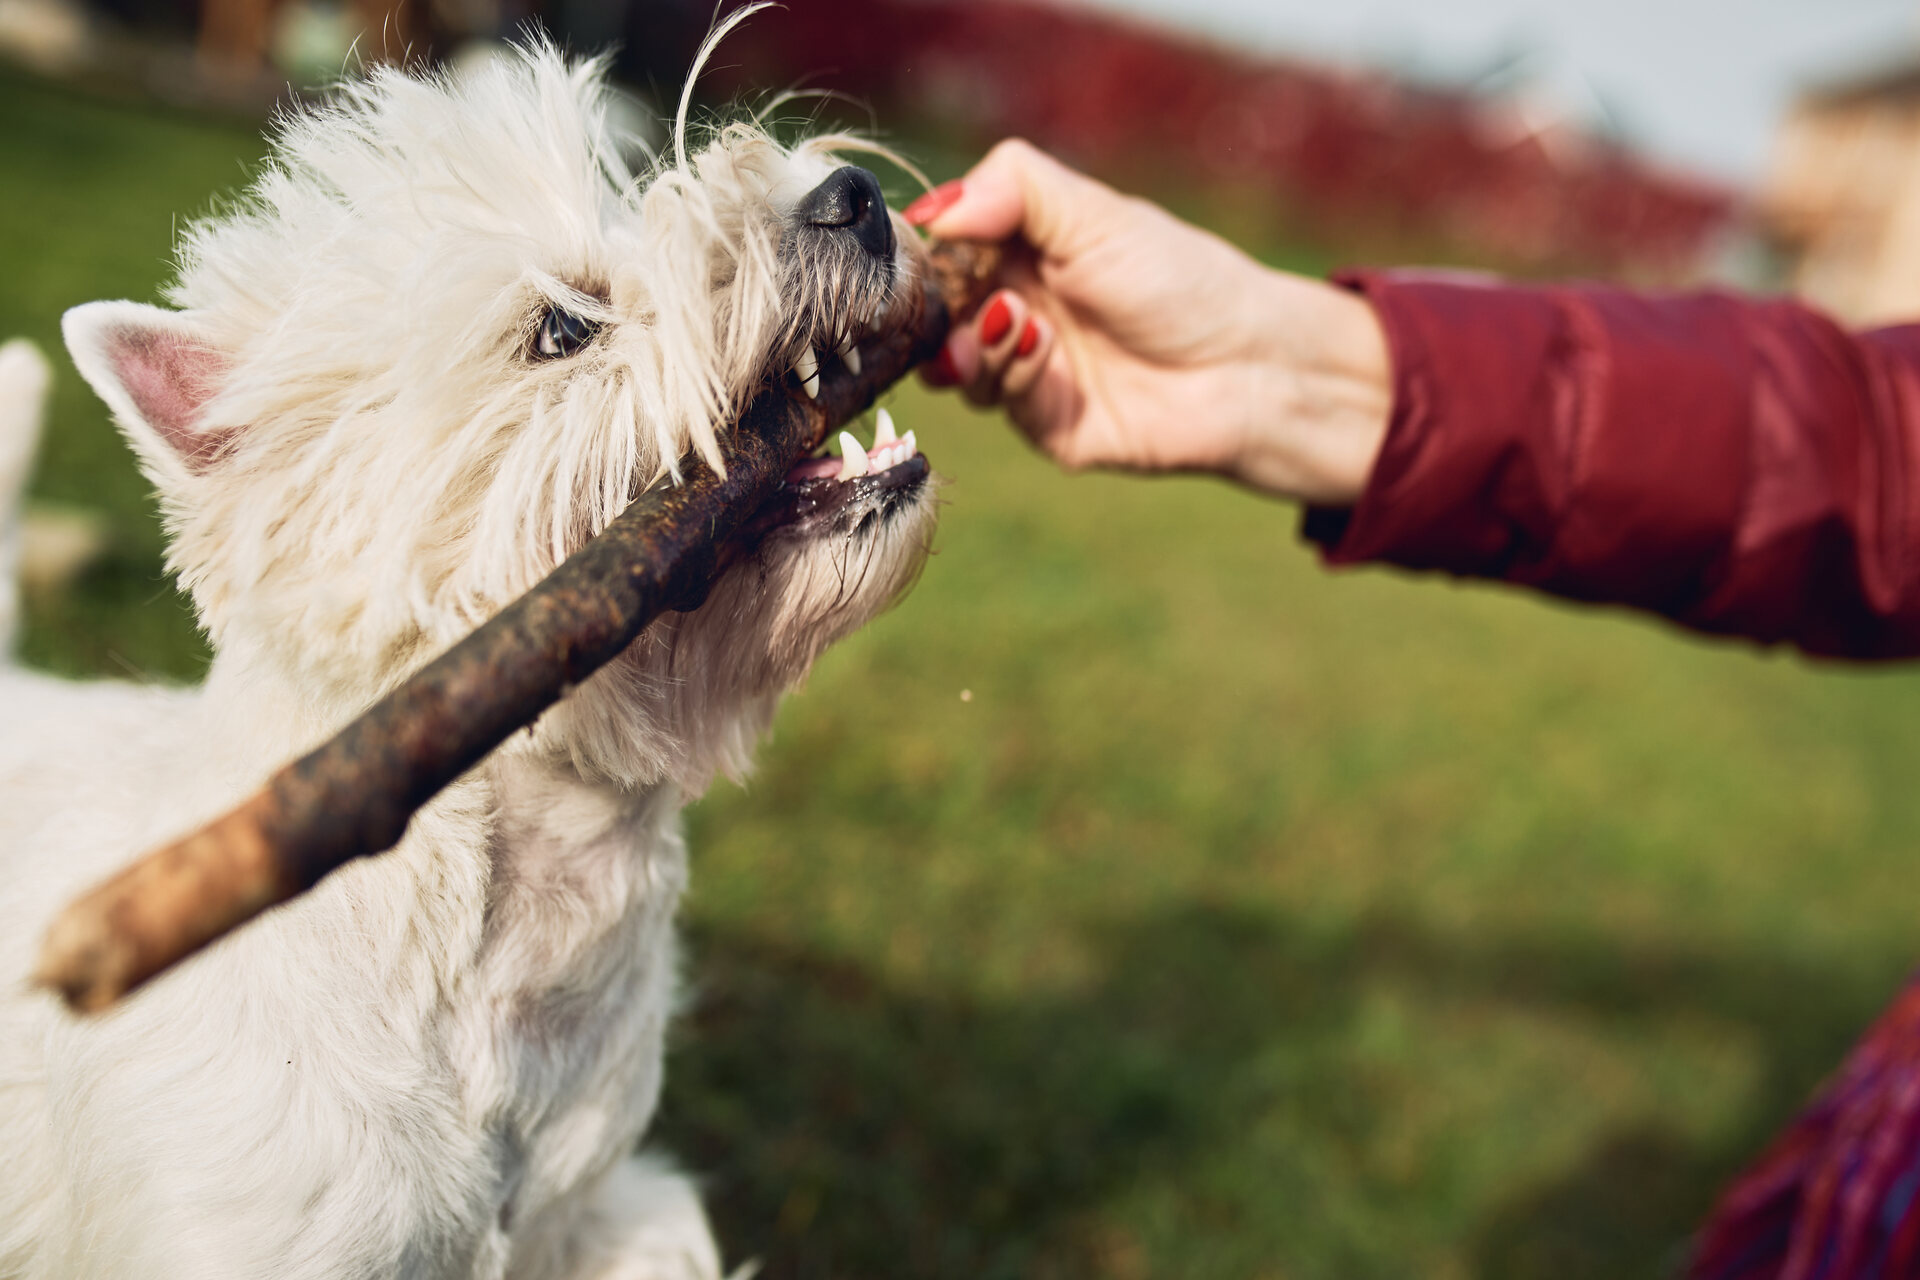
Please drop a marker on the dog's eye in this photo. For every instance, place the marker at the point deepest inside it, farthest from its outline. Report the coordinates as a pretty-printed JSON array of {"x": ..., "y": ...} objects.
[{"x": 561, "y": 334}]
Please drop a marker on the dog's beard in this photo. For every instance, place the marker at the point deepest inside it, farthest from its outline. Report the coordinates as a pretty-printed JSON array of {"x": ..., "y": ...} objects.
[{"x": 692, "y": 695}]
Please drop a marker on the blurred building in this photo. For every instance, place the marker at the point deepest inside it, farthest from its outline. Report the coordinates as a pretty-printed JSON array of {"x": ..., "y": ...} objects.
[{"x": 1843, "y": 196}]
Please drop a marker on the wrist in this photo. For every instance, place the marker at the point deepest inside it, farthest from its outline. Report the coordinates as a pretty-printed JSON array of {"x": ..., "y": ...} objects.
[{"x": 1317, "y": 412}]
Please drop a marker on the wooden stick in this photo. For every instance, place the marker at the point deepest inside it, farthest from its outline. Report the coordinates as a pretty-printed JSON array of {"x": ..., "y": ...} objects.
[{"x": 354, "y": 795}]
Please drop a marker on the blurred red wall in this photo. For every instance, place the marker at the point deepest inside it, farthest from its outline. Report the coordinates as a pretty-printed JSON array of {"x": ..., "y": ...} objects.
[{"x": 1339, "y": 150}]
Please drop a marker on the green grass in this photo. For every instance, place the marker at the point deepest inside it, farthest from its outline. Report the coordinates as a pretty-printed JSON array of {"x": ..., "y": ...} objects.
[
  {"x": 1246, "y": 920},
  {"x": 93, "y": 193}
]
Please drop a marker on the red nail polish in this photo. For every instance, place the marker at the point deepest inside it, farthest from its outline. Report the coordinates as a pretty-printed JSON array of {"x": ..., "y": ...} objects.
[
  {"x": 995, "y": 321},
  {"x": 940, "y": 371},
  {"x": 1029, "y": 339},
  {"x": 933, "y": 204}
]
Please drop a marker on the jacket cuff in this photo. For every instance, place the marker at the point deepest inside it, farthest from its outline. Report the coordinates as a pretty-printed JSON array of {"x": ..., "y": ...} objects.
[{"x": 1455, "y": 486}]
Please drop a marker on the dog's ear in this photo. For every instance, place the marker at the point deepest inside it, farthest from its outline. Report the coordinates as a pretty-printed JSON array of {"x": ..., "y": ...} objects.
[{"x": 156, "y": 370}]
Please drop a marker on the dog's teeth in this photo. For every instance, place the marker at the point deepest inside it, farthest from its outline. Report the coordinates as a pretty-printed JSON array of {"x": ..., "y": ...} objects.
[
  {"x": 908, "y": 445},
  {"x": 807, "y": 369},
  {"x": 853, "y": 457},
  {"x": 851, "y": 358},
  {"x": 883, "y": 432}
]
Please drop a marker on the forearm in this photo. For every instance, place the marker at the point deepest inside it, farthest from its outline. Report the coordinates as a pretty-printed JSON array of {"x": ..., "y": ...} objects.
[{"x": 1742, "y": 467}]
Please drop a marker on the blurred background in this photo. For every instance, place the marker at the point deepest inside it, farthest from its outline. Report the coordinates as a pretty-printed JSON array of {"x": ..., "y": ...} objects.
[{"x": 1138, "y": 899}]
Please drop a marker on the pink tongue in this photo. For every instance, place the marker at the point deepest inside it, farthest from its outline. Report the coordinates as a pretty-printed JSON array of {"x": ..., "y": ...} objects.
[{"x": 814, "y": 469}]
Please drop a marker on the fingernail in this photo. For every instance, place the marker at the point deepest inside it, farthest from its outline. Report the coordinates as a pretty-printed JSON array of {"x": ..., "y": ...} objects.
[
  {"x": 995, "y": 321},
  {"x": 1029, "y": 339},
  {"x": 933, "y": 204},
  {"x": 940, "y": 371}
]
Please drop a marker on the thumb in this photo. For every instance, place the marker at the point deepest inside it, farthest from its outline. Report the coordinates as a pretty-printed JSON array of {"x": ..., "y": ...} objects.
[{"x": 1019, "y": 189}]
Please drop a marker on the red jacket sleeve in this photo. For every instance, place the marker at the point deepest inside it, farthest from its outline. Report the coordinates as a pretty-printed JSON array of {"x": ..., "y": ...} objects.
[{"x": 1742, "y": 467}]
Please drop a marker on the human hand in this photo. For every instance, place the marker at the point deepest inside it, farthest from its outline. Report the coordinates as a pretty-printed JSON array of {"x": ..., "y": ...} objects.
[{"x": 1125, "y": 338}]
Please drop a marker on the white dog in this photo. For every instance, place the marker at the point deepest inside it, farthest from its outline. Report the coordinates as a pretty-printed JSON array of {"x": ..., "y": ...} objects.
[{"x": 443, "y": 339}]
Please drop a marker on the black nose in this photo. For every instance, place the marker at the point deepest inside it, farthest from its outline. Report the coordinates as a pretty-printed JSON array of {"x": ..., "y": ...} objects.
[{"x": 849, "y": 203}]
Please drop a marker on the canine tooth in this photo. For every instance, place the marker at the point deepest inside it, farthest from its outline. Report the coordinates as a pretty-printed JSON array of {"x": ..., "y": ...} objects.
[
  {"x": 851, "y": 358},
  {"x": 883, "y": 432},
  {"x": 853, "y": 457},
  {"x": 807, "y": 369}
]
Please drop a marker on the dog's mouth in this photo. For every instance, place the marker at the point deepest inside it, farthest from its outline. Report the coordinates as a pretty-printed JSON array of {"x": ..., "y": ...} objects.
[
  {"x": 860, "y": 337},
  {"x": 861, "y": 485},
  {"x": 833, "y": 492},
  {"x": 830, "y": 490}
]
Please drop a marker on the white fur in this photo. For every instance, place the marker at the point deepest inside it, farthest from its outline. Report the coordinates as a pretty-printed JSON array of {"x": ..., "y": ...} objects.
[{"x": 439, "y": 1062}]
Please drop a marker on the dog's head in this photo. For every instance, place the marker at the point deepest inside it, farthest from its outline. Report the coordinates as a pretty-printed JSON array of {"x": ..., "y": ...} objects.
[{"x": 447, "y": 335}]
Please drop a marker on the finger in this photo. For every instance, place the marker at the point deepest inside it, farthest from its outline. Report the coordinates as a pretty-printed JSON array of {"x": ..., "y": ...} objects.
[
  {"x": 995, "y": 332},
  {"x": 957, "y": 362},
  {"x": 1027, "y": 359},
  {"x": 1044, "y": 401},
  {"x": 941, "y": 372},
  {"x": 1019, "y": 189}
]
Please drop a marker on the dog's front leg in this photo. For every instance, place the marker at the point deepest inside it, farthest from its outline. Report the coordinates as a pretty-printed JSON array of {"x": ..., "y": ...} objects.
[{"x": 645, "y": 1223}]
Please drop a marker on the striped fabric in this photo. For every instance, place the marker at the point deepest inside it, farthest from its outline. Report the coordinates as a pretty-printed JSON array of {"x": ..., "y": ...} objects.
[{"x": 1834, "y": 1197}]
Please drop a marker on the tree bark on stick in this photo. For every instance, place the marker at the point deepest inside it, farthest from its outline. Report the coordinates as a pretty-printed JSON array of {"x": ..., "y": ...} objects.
[{"x": 354, "y": 795}]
